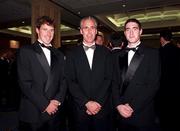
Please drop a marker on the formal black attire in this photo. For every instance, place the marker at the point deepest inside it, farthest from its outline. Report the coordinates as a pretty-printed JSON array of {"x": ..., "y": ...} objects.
[
  {"x": 40, "y": 83},
  {"x": 86, "y": 84},
  {"x": 137, "y": 85},
  {"x": 114, "y": 54},
  {"x": 4, "y": 79},
  {"x": 168, "y": 96}
]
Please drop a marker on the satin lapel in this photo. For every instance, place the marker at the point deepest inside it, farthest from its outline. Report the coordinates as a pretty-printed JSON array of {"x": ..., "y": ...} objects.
[
  {"x": 52, "y": 70},
  {"x": 44, "y": 63},
  {"x": 96, "y": 58},
  {"x": 53, "y": 58},
  {"x": 53, "y": 67},
  {"x": 135, "y": 62},
  {"x": 123, "y": 63},
  {"x": 42, "y": 59},
  {"x": 83, "y": 57}
]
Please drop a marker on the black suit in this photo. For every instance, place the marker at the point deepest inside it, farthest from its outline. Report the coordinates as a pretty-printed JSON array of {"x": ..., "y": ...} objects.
[
  {"x": 39, "y": 82},
  {"x": 87, "y": 84},
  {"x": 168, "y": 95},
  {"x": 137, "y": 85}
]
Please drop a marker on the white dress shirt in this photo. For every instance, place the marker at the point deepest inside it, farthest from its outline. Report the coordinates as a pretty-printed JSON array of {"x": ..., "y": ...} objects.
[
  {"x": 89, "y": 54},
  {"x": 47, "y": 53},
  {"x": 131, "y": 53}
]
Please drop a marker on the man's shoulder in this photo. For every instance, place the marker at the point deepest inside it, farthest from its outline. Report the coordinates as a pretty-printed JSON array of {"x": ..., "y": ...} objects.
[
  {"x": 103, "y": 48},
  {"x": 149, "y": 48},
  {"x": 26, "y": 47},
  {"x": 73, "y": 51}
]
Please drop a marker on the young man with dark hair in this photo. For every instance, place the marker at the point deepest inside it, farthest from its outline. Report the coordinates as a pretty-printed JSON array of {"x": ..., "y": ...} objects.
[
  {"x": 136, "y": 81},
  {"x": 41, "y": 78}
]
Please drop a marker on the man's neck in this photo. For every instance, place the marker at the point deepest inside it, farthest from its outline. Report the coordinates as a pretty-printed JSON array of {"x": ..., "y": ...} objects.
[
  {"x": 40, "y": 41},
  {"x": 133, "y": 45},
  {"x": 88, "y": 44}
]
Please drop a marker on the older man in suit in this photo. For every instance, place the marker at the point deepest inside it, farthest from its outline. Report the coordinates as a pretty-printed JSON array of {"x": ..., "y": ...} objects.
[
  {"x": 89, "y": 79},
  {"x": 42, "y": 81},
  {"x": 136, "y": 81}
]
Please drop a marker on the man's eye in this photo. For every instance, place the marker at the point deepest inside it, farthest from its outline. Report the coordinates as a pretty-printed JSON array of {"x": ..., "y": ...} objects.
[
  {"x": 92, "y": 27},
  {"x": 85, "y": 28}
]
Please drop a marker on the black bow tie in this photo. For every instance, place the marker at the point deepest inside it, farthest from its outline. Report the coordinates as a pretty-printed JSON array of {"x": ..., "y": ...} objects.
[
  {"x": 133, "y": 49},
  {"x": 89, "y": 47},
  {"x": 48, "y": 47}
]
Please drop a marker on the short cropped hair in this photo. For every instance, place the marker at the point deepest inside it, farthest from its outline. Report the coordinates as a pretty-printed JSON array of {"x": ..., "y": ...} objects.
[{"x": 133, "y": 20}]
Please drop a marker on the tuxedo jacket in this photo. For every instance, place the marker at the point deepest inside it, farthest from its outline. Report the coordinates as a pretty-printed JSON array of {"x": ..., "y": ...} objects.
[
  {"x": 137, "y": 84},
  {"x": 39, "y": 82},
  {"x": 170, "y": 62},
  {"x": 169, "y": 83},
  {"x": 87, "y": 84}
]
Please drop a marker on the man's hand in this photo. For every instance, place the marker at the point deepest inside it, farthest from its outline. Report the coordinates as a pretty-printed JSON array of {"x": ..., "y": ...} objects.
[
  {"x": 92, "y": 107},
  {"x": 125, "y": 110},
  {"x": 52, "y": 108},
  {"x": 56, "y": 102}
]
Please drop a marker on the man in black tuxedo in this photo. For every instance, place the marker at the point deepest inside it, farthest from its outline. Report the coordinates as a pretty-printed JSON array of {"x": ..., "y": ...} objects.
[
  {"x": 89, "y": 78},
  {"x": 136, "y": 81},
  {"x": 168, "y": 95},
  {"x": 41, "y": 78}
]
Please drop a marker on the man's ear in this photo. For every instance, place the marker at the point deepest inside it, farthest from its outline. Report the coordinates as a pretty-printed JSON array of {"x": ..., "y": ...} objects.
[
  {"x": 37, "y": 30},
  {"x": 81, "y": 31},
  {"x": 141, "y": 31}
]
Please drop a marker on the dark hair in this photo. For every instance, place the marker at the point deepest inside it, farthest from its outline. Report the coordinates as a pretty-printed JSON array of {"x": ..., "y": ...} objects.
[
  {"x": 166, "y": 34},
  {"x": 44, "y": 20},
  {"x": 116, "y": 39},
  {"x": 133, "y": 20}
]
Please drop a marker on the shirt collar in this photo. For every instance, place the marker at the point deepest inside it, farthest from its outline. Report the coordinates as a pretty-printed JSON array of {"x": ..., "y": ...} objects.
[
  {"x": 136, "y": 45},
  {"x": 89, "y": 45},
  {"x": 42, "y": 42}
]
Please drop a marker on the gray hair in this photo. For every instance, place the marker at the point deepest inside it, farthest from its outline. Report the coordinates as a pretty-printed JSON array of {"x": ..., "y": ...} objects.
[{"x": 88, "y": 18}]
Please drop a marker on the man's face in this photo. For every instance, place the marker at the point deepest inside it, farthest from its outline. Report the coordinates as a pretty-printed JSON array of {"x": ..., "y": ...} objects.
[
  {"x": 99, "y": 40},
  {"x": 132, "y": 32},
  {"x": 88, "y": 30},
  {"x": 45, "y": 33}
]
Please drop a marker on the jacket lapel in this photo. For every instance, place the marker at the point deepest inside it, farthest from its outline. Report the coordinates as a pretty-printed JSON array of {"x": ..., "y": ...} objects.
[
  {"x": 53, "y": 58},
  {"x": 44, "y": 63},
  {"x": 96, "y": 58},
  {"x": 123, "y": 63},
  {"x": 83, "y": 57},
  {"x": 135, "y": 62},
  {"x": 53, "y": 68},
  {"x": 42, "y": 58}
]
